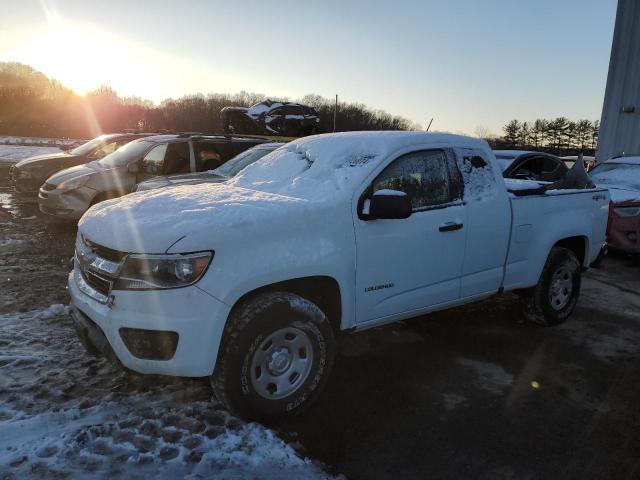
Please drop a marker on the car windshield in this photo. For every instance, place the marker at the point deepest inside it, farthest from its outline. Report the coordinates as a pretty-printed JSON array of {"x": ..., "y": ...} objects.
[
  {"x": 237, "y": 163},
  {"x": 626, "y": 175},
  {"x": 126, "y": 153},
  {"x": 86, "y": 148}
]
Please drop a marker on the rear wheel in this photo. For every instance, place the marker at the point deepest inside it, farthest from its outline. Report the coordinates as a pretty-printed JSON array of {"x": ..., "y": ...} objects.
[
  {"x": 275, "y": 357},
  {"x": 555, "y": 296}
]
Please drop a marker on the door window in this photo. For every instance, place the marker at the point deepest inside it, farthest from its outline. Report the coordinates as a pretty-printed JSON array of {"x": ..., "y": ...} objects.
[
  {"x": 176, "y": 159},
  {"x": 423, "y": 176},
  {"x": 153, "y": 161}
]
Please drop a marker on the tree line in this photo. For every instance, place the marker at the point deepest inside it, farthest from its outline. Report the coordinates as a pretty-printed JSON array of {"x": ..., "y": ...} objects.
[
  {"x": 31, "y": 104},
  {"x": 559, "y": 135}
]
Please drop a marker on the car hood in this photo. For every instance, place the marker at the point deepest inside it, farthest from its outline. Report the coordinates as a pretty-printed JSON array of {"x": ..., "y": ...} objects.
[
  {"x": 196, "y": 216},
  {"x": 622, "y": 194},
  {"x": 38, "y": 159},
  {"x": 74, "y": 172},
  {"x": 186, "y": 179}
]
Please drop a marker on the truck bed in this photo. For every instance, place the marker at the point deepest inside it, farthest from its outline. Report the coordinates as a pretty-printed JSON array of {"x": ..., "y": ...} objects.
[{"x": 539, "y": 219}]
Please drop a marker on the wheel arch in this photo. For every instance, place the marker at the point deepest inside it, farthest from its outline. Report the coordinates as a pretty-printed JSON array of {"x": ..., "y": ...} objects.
[
  {"x": 578, "y": 244},
  {"x": 322, "y": 290}
]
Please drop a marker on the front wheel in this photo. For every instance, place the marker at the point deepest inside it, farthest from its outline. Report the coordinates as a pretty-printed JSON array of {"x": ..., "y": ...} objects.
[
  {"x": 555, "y": 296},
  {"x": 275, "y": 357}
]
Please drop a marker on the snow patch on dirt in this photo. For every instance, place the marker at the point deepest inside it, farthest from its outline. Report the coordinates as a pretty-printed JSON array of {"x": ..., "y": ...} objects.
[
  {"x": 490, "y": 377},
  {"x": 66, "y": 414}
]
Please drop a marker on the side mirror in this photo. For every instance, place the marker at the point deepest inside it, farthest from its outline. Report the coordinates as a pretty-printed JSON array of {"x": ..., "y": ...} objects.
[
  {"x": 133, "y": 167},
  {"x": 389, "y": 204}
]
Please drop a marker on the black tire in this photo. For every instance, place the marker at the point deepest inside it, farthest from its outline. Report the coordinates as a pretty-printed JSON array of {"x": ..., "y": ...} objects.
[
  {"x": 252, "y": 324},
  {"x": 555, "y": 296}
]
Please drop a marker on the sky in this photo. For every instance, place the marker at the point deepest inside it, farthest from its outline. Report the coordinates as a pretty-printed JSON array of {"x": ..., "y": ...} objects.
[{"x": 465, "y": 63}]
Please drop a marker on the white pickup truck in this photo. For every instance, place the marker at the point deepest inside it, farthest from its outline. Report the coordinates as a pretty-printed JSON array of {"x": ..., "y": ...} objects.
[{"x": 250, "y": 281}]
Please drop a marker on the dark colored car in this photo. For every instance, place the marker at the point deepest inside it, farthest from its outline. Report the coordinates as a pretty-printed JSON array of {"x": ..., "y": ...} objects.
[
  {"x": 29, "y": 174},
  {"x": 69, "y": 193},
  {"x": 528, "y": 165},
  {"x": 271, "y": 118},
  {"x": 621, "y": 175}
]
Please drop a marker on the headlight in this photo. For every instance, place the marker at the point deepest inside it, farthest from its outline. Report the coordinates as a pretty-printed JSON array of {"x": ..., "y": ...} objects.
[
  {"x": 73, "y": 183},
  {"x": 147, "y": 272},
  {"x": 627, "y": 211}
]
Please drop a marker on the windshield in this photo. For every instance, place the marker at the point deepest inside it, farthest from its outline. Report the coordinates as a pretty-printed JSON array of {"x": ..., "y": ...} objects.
[
  {"x": 237, "y": 163},
  {"x": 86, "y": 148},
  {"x": 126, "y": 154},
  {"x": 626, "y": 175}
]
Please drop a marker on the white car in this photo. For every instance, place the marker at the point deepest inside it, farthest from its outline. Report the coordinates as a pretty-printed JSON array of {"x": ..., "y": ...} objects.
[{"x": 251, "y": 281}]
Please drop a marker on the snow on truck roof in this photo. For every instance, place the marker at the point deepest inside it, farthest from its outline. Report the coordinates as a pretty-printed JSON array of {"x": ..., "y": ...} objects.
[{"x": 323, "y": 165}]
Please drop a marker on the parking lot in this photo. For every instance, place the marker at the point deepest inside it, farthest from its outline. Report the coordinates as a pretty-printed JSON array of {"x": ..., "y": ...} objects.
[{"x": 472, "y": 392}]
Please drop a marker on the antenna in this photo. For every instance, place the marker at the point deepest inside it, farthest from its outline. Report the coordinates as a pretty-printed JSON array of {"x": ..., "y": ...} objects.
[{"x": 430, "y": 122}]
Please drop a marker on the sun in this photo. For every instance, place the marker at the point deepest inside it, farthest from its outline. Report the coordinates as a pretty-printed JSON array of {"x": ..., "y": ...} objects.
[{"x": 83, "y": 56}]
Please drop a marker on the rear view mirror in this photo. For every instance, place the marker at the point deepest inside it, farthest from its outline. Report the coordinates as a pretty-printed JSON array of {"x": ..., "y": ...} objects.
[
  {"x": 133, "y": 167},
  {"x": 389, "y": 204}
]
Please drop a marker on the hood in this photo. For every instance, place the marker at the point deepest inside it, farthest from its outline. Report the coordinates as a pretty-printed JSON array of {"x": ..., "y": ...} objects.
[
  {"x": 623, "y": 194},
  {"x": 186, "y": 179},
  {"x": 74, "y": 172},
  {"x": 196, "y": 215},
  {"x": 33, "y": 161}
]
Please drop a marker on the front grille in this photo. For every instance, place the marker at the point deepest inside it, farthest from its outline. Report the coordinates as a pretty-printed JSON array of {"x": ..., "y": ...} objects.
[
  {"x": 98, "y": 267},
  {"x": 97, "y": 283},
  {"x": 104, "y": 252},
  {"x": 47, "y": 187}
]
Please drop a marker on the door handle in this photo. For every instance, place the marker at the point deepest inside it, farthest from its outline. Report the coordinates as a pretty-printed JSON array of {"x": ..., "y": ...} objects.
[{"x": 450, "y": 226}]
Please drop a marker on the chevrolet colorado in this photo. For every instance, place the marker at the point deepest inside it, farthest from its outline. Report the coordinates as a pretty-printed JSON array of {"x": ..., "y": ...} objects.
[{"x": 250, "y": 281}]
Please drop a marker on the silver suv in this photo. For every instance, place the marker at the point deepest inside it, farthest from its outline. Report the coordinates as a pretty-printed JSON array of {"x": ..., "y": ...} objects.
[{"x": 69, "y": 193}]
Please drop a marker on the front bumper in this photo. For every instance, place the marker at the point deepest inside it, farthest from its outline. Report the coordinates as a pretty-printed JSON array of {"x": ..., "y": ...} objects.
[
  {"x": 69, "y": 204},
  {"x": 196, "y": 317},
  {"x": 23, "y": 184}
]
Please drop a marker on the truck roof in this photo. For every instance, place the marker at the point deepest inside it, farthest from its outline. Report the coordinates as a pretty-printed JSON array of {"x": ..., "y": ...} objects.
[{"x": 322, "y": 166}]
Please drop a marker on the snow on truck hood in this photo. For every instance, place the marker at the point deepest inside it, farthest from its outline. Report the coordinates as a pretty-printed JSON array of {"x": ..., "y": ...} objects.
[
  {"x": 317, "y": 169},
  {"x": 152, "y": 221}
]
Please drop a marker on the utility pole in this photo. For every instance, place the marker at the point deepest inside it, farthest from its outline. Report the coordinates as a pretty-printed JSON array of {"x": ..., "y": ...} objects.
[{"x": 335, "y": 113}]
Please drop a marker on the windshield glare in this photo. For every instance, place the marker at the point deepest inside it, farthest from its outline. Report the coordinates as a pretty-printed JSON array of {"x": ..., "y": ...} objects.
[
  {"x": 621, "y": 174},
  {"x": 86, "y": 148},
  {"x": 237, "y": 163},
  {"x": 125, "y": 154}
]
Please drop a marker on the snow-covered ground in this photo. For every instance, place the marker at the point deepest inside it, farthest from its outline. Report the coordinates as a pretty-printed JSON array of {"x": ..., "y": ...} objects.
[
  {"x": 10, "y": 154},
  {"x": 66, "y": 414},
  {"x": 38, "y": 141}
]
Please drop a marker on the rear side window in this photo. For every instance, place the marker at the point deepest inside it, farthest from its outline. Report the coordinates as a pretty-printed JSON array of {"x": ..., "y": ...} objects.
[
  {"x": 478, "y": 177},
  {"x": 208, "y": 155},
  {"x": 423, "y": 176}
]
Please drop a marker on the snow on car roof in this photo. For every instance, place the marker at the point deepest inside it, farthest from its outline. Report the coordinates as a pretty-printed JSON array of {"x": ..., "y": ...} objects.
[{"x": 322, "y": 166}]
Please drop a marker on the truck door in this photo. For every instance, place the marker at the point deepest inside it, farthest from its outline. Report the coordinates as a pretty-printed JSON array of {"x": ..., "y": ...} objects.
[
  {"x": 413, "y": 263},
  {"x": 488, "y": 223}
]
